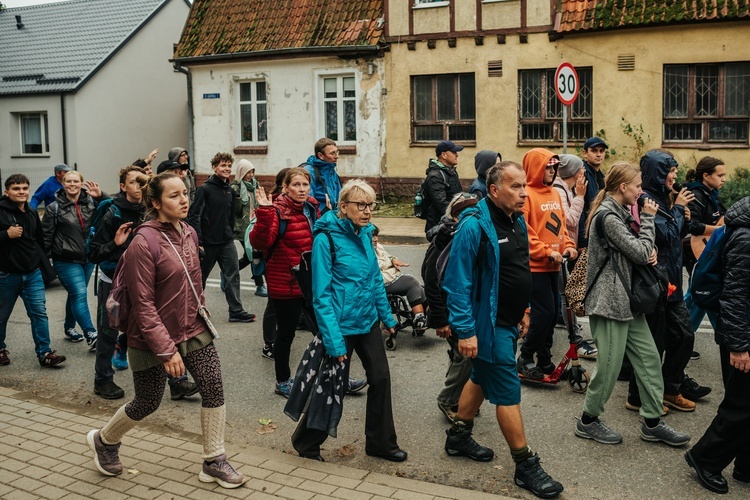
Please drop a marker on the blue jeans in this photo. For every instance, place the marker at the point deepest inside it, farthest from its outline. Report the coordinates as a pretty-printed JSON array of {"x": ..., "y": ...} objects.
[
  {"x": 30, "y": 287},
  {"x": 75, "y": 278}
]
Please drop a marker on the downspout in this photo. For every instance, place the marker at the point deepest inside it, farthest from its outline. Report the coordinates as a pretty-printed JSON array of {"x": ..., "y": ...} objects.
[
  {"x": 191, "y": 126},
  {"x": 64, "y": 129}
]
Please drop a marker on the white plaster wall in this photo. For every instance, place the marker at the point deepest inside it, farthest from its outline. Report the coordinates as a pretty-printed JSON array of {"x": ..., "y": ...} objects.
[{"x": 293, "y": 110}]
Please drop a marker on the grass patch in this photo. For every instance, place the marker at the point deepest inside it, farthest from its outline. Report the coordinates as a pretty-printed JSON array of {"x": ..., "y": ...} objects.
[{"x": 395, "y": 209}]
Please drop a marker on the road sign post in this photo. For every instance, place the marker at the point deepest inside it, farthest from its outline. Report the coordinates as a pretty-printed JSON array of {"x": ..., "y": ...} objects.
[{"x": 566, "y": 87}]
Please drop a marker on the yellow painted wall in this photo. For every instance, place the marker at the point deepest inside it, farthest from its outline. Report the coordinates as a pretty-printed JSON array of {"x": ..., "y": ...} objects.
[
  {"x": 432, "y": 20},
  {"x": 538, "y": 13},
  {"x": 497, "y": 15},
  {"x": 633, "y": 95},
  {"x": 466, "y": 15},
  {"x": 398, "y": 17}
]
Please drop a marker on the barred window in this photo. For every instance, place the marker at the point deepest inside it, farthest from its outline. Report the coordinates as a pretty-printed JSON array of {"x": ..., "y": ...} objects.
[{"x": 443, "y": 107}]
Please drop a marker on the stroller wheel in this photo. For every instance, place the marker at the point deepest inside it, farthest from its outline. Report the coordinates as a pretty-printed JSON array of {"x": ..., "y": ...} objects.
[
  {"x": 390, "y": 343},
  {"x": 578, "y": 380}
]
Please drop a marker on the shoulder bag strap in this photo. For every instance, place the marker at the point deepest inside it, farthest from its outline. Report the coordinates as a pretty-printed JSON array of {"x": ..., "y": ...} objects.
[{"x": 192, "y": 287}]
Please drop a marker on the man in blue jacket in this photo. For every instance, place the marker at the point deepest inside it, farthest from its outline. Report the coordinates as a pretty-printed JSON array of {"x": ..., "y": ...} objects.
[
  {"x": 45, "y": 193},
  {"x": 325, "y": 184},
  {"x": 488, "y": 287}
]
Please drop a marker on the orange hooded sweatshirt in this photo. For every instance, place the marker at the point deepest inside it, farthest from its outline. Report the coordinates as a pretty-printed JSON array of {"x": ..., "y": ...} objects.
[{"x": 544, "y": 214}]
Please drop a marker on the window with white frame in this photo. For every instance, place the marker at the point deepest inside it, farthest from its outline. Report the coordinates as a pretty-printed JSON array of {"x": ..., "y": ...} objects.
[
  {"x": 706, "y": 103},
  {"x": 340, "y": 108},
  {"x": 541, "y": 112},
  {"x": 443, "y": 107},
  {"x": 34, "y": 134},
  {"x": 428, "y": 2},
  {"x": 253, "y": 112}
]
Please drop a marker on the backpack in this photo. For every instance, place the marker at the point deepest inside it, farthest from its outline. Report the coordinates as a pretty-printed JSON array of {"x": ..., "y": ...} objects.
[
  {"x": 118, "y": 303},
  {"x": 442, "y": 260},
  {"x": 422, "y": 201},
  {"x": 95, "y": 224},
  {"x": 707, "y": 280}
]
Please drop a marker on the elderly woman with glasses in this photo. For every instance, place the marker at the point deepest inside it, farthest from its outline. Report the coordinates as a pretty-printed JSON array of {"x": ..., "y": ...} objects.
[{"x": 350, "y": 302}]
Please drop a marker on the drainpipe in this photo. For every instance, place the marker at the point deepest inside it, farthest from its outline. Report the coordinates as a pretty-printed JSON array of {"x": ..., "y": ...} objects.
[
  {"x": 64, "y": 129},
  {"x": 191, "y": 136}
]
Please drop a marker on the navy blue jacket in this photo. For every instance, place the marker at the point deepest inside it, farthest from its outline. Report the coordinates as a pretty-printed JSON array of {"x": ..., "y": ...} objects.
[{"x": 595, "y": 179}]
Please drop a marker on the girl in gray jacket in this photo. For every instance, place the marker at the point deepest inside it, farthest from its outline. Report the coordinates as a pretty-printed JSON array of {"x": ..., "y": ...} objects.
[{"x": 616, "y": 329}]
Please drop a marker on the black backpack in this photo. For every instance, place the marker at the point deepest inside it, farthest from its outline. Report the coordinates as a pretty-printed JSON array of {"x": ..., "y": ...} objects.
[{"x": 422, "y": 201}]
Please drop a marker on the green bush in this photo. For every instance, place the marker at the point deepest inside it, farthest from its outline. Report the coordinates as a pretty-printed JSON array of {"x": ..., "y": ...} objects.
[{"x": 737, "y": 187}]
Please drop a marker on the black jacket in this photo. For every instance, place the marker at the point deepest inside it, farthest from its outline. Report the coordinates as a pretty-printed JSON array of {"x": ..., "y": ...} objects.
[
  {"x": 441, "y": 185},
  {"x": 65, "y": 226},
  {"x": 211, "y": 213},
  {"x": 102, "y": 247},
  {"x": 19, "y": 255},
  {"x": 733, "y": 329},
  {"x": 704, "y": 209},
  {"x": 440, "y": 236}
]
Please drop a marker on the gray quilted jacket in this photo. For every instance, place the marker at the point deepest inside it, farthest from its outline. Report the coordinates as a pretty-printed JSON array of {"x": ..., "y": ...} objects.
[{"x": 608, "y": 296}]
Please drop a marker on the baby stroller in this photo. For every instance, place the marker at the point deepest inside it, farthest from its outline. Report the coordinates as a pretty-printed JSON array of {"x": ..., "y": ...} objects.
[{"x": 405, "y": 318}]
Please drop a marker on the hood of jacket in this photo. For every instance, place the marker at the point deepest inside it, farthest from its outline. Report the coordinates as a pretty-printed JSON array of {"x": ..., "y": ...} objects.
[
  {"x": 433, "y": 164},
  {"x": 219, "y": 182},
  {"x": 534, "y": 164},
  {"x": 324, "y": 166},
  {"x": 11, "y": 206},
  {"x": 483, "y": 161},
  {"x": 655, "y": 166},
  {"x": 121, "y": 201},
  {"x": 738, "y": 214}
]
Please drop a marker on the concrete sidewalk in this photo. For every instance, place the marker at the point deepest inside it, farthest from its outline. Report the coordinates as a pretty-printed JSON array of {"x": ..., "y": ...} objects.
[
  {"x": 400, "y": 230},
  {"x": 44, "y": 455}
]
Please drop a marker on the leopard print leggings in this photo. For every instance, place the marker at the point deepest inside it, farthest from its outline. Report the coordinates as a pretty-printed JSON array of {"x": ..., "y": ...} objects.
[{"x": 202, "y": 364}]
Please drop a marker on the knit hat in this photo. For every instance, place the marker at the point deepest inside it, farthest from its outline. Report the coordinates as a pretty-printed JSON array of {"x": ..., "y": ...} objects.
[
  {"x": 484, "y": 160},
  {"x": 464, "y": 201},
  {"x": 569, "y": 166}
]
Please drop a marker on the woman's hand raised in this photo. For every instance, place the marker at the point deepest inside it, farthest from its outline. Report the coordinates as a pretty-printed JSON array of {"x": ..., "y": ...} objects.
[
  {"x": 650, "y": 206},
  {"x": 262, "y": 199}
]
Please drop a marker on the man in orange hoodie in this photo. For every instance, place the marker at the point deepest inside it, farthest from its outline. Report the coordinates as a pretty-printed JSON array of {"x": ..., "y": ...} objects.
[{"x": 548, "y": 241}]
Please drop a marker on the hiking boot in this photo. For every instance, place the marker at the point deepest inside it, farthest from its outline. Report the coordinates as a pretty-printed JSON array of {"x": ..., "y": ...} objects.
[
  {"x": 4, "y": 357},
  {"x": 110, "y": 390},
  {"x": 90, "y": 340},
  {"x": 692, "y": 390},
  {"x": 530, "y": 475},
  {"x": 182, "y": 388},
  {"x": 50, "y": 359},
  {"x": 355, "y": 385},
  {"x": 678, "y": 403},
  {"x": 637, "y": 406},
  {"x": 664, "y": 433},
  {"x": 448, "y": 411},
  {"x": 267, "y": 351},
  {"x": 106, "y": 456},
  {"x": 598, "y": 431},
  {"x": 242, "y": 317},
  {"x": 461, "y": 444},
  {"x": 261, "y": 291},
  {"x": 220, "y": 471},
  {"x": 284, "y": 388},
  {"x": 528, "y": 369},
  {"x": 72, "y": 335},
  {"x": 586, "y": 350},
  {"x": 119, "y": 358}
]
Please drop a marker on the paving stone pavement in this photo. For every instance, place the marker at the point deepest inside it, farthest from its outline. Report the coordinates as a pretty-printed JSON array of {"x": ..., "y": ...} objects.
[{"x": 43, "y": 454}]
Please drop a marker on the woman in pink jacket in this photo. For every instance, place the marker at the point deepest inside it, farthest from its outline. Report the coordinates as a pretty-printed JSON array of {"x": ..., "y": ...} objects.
[{"x": 166, "y": 334}]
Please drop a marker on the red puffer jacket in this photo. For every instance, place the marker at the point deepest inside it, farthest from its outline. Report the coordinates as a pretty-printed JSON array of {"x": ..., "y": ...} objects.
[{"x": 296, "y": 239}]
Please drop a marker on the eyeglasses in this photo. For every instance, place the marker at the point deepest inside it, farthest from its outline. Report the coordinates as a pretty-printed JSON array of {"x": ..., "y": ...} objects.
[{"x": 361, "y": 205}]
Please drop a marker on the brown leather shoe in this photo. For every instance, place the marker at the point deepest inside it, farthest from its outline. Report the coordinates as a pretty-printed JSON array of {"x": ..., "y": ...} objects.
[{"x": 678, "y": 402}]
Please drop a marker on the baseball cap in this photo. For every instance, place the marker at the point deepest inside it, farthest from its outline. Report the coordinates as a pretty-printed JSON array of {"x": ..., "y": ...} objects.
[
  {"x": 444, "y": 146},
  {"x": 62, "y": 168},
  {"x": 593, "y": 142},
  {"x": 167, "y": 165}
]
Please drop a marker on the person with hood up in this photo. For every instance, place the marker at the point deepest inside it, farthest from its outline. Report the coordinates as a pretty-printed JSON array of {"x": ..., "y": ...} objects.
[
  {"x": 441, "y": 183},
  {"x": 483, "y": 161},
  {"x": 245, "y": 186},
  {"x": 728, "y": 436},
  {"x": 180, "y": 155},
  {"x": 670, "y": 323},
  {"x": 325, "y": 184},
  {"x": 548, "y": 242}
]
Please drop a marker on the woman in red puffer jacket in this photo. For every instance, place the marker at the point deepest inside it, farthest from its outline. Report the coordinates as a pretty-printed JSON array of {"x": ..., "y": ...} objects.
[{"x": 283, "y": 231}]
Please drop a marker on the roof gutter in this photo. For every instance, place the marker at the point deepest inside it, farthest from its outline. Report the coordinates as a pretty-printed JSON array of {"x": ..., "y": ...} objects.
[
  {"x": 191, "y": 122},
  {"x": 342, "y": 50}
]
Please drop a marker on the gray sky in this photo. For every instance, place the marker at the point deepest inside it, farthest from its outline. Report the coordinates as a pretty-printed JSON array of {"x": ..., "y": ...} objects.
[{"x": 23, "y": 3}]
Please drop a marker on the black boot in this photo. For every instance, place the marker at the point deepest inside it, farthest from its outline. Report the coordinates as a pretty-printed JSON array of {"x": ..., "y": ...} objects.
[{"x": 459, "y": 443}]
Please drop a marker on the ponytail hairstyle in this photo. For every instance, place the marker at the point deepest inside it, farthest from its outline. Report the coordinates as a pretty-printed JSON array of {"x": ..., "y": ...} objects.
[
  {"x": 620, "y": 173},
  {"x": 706, "y": 165},
  {"x": 153, "y": 188}
]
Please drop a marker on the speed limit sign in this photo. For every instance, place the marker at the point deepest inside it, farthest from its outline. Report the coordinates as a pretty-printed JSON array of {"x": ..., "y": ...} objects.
[{"x": 566, "y": 83}]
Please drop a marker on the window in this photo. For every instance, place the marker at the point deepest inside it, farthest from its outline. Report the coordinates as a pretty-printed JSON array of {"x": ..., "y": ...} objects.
[
  {"x": 34, "y": 133},
  {"x": 427, "y": 2},
  {"x": 706, "y": 103},
  {"x": 541, "y": 111},
  {"x": 443, "y": 107},
  {"x": 253, "y": 112},
  {"x": 340, "y": 109}
]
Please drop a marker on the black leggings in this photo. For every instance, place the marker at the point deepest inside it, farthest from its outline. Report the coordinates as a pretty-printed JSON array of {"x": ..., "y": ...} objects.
[
  {"x": 202, "y": 364},
  {"x": 287, "y": 317}
]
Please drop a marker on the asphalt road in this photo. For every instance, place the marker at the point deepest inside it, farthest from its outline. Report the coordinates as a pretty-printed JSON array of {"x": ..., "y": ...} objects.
[{"x": 633, "y": 469}]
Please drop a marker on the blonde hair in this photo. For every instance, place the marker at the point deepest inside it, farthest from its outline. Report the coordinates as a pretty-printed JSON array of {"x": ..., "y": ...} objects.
[
  {"x": 353, "y": 188},
  {"x": 76, "y": 172},
  {"x": 620, "y": 173}
]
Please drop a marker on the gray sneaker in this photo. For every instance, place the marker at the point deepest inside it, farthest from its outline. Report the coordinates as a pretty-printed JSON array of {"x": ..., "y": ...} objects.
[
  {"x": 220, "y": 471},
  {"x": 598, "y": 431},
  {"x": 106, "y": 456},
  {"x": 664, "y": 433}
]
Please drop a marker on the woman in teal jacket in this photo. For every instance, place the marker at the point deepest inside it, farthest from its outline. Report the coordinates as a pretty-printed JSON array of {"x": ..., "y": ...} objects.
[{"x": 350, "y": 302}]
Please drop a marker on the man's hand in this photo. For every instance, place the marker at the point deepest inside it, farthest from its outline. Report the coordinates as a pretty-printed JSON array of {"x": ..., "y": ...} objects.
[
  {"x": 174, "y": 366},
  {"x": 468, "y": 347},
  {"x": 443, "y": 332},
  {"x": 121, "y": 236},
  {"x": 740, "y": 360},
  {"x": 15, "y": 231},
  {"x": 523, "y": 326}
]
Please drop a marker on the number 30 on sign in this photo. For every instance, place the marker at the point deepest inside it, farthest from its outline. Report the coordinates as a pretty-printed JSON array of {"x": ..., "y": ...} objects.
[{"x": 566, "y": 83}]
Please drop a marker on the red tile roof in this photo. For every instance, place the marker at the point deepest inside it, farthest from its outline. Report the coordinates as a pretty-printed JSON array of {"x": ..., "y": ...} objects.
[
  {"x": 244, "y": 26},
  {"x": 582, "y": 15}
]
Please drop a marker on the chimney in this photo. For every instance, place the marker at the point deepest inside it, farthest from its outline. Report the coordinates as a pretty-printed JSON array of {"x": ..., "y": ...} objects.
[{"x": 19, "y": 24}]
